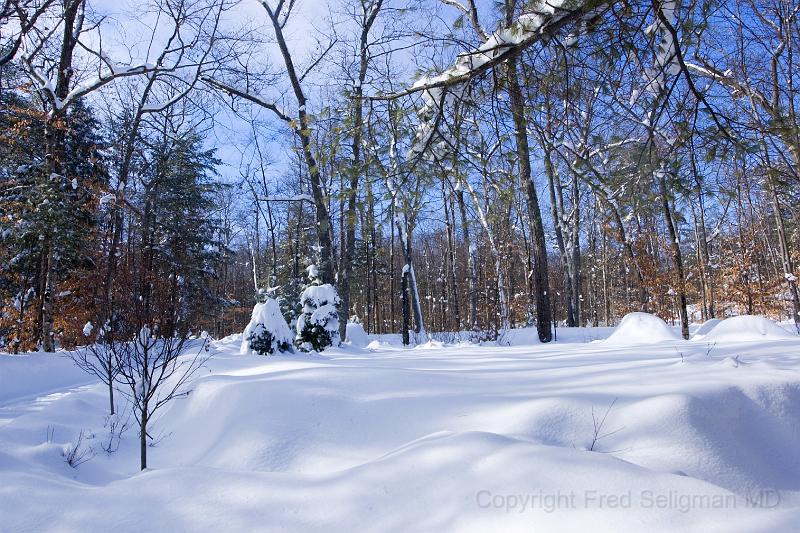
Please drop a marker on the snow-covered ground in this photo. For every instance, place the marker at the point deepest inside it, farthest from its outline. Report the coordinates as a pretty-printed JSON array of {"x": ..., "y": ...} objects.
[{"x": 579, "y": 435}]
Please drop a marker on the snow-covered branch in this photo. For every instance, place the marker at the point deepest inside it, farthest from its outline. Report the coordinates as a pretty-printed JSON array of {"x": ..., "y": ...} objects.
[
  {"x": 293, "y": 198},
  {"x": 546, "y": 19}
]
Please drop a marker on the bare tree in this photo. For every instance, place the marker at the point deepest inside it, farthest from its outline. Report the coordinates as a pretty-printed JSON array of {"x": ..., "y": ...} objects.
[
  {"x": 366, "y": 19},
  {"x": 98, "y": 359},
  {"x": 763, "y": 87},
  {"x": 18, "y": 18},
  {"x": 278, "y": 16},
  {"x": 156, "y": 369}
]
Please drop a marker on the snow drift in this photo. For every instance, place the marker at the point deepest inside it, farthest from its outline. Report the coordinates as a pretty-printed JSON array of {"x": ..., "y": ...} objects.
[
  {"x": 705, "y": 328},
  {"x": 447, "y": 438},
  {"x": 641, "y": 328},
  {"x": 356, "y": 336},
  {"x": 40, "y": 372},
  {"x": 747, "y": 328}
]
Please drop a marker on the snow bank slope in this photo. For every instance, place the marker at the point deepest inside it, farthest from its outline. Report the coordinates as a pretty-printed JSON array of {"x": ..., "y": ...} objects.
[
  {"x": 747, "y": 328},
  {"x": 705, "y": 328},
  {"x": 34, "y": 374},
  {"x": 641, "y": 328},
  {"x": 467, "y": 482},
  {"x": 569, "y": 437}
]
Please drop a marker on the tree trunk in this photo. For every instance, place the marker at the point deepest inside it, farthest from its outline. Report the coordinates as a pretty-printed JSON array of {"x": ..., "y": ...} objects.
[
  {"x": 543, "y": 309},
  {"x": 405, "y": 306},
  {"x": 472, "y": 274},
  {"x": 369, "y": 15},
  {"x": 502, "y": 290},
  {"x": 392, "y": 288},
  {"x": 556, "y": 213},
  {"x": 786, "y": 256},
  {"x": 110, "y": 375},
  {"x": 303, "y": 130},
  {"x": 54, "y": 157},
  {"x": 575, "y": 256},
  {"x": 420, "y": 335},
  {"x": 450, "y": 289},
  {"x": 703, "y": 258},
  {"x": 743, "y": 258},
  {"x": 604, "y": 273},
  {"x": 143, "y": 439},
  {"x": 54, "y": 153},
  {"x": 676, "y": 252}
]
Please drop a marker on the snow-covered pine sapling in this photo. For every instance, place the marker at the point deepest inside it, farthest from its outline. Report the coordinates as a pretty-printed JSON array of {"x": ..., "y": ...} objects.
[
  {"x": 267, "y": 332},
  {"x": 318, "y": 325}
]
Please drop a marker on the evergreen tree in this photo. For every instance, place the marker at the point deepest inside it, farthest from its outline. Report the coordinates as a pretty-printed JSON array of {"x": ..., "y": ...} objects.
[
  {"x": 36, "y": 208},
  {"x": 267, "y": 331},
  {"x": 289, "y": 300},
  {"x": 318, "y": 325},
  {"x": 178, "y": 231},
  {"x": 290, "y": 259}
]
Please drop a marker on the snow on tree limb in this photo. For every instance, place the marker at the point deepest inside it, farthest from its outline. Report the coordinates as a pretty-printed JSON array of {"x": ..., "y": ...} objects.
[
  {"x": 727, "y": 79},
  {"x": 543, "y": 22},
  {"x": 27, "y": 15},
  {"x": 293, "y": 198},
  {"x": 39, "y": 63},
  {"x": 111, "y": 73}
]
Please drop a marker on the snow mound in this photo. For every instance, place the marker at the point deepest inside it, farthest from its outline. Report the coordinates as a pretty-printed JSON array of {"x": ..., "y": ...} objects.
[
  {"x": 477, "y": 481},
  {"x": 641, "y": 328},
  {"x": 521, "y": 337},
  {"x": 746, "y": 328},
  {"x": 356, "y": 335},
  {"x": 266, "y": 316}
]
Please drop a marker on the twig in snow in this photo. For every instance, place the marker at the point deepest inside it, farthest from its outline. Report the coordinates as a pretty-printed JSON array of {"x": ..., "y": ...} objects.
[
  {"x": 77, "y": 454},
  {"x": 598, "y": 426}
]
